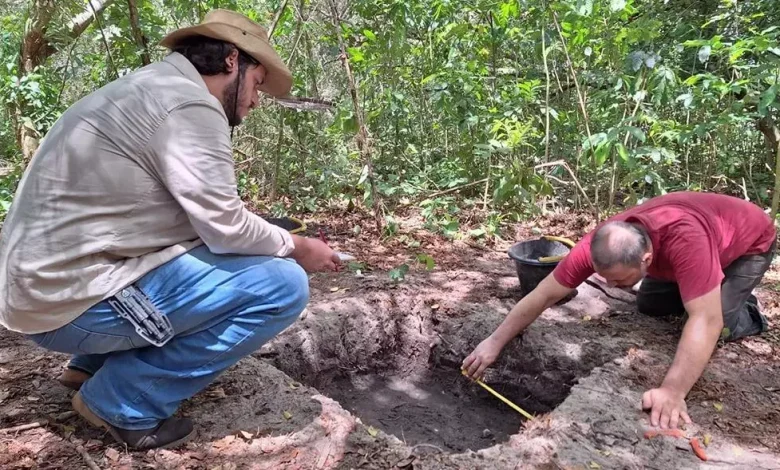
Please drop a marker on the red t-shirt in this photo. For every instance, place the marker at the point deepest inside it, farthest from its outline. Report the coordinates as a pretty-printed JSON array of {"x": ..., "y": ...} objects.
[{"x": 694, "y": 235}]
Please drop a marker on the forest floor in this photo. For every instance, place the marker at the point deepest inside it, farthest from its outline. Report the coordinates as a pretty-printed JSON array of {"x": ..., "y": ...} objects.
[{"x": 369, "y": 377}]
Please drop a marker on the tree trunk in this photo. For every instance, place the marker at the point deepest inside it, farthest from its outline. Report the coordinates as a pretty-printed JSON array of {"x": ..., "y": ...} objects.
[
  {"x": 105, "y": 41},
  {"x": 771, "y": 132},
  {"x": 275, "y": 23},
  {"x": 36, "y": 48},
  {"x": 36, "y": 45},
  {"x": 298, "y": 33},
  {"x": 584, "y": 109},
  {"x": 312, "y": 72},
  {"x": 290, "y": 62},
  {"x": 776, "y": 192},
  {"x": 362, "y": 138},
  {"x": 313, "y": 91},
  {"x": 546, "y": 97},
  {"x": 277, "y": 158},
  {"x": 138, "y": 35}
]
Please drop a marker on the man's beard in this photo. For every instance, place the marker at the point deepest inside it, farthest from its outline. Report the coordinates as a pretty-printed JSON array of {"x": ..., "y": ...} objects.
[{"x": 229, "y": 101}]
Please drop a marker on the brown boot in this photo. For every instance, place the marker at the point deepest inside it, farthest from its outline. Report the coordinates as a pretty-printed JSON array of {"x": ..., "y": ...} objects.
[
  {"x": 73, "y": 378},
  {"x": 169, "y": 433}
]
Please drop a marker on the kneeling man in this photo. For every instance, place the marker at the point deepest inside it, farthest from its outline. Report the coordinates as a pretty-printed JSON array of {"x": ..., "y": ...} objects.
[{"x": 694, "y": 252}]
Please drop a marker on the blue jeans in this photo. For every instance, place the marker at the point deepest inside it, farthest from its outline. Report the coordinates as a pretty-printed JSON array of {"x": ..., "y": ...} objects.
[{"x": 222, "y": 308}]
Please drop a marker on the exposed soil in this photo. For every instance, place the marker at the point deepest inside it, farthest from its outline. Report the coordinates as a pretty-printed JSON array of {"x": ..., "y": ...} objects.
[
  {"x": 357, "y": 382},
  {"x": 439, "y": 410},
  {"x": 403, "y": 378}
]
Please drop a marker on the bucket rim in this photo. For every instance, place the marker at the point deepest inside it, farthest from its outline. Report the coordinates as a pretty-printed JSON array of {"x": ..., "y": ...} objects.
[{"x": 530, "y": 262}]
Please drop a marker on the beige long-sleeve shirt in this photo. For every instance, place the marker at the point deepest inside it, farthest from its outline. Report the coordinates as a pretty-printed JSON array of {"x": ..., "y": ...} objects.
[{"x": 131, "y": 176}]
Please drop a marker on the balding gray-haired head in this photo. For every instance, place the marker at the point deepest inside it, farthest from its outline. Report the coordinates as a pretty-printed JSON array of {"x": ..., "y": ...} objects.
[{"x": 619, "y": 243}]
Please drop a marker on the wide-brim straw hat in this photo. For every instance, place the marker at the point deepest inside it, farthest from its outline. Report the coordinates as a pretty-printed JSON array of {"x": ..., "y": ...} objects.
[{"x": 248, "y": 36}]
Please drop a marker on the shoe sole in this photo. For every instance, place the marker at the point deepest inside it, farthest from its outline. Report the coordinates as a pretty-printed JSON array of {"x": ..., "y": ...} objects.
[
  {"x": 179, "y": 442},
  {"x": 83, "y": 410}
]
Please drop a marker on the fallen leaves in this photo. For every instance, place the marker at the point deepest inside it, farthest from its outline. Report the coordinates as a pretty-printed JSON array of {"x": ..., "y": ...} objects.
[
  {"x": 372, "y": 431},
  {"x": 758, "y": 347},
  {"x": 287, "y": 415},
  {"x": 112, "y": 454},
  {"x": 216, "y": 393},
  {"x": 718, "y": 407},
  {"x": 225, "y": 466},
  {"x": 224, "y": 442},
  {"x": 93, "y": 444},
  {"x": 246, "y": 435}
]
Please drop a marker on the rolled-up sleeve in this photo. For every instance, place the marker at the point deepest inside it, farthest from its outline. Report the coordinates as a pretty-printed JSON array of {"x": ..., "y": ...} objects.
[{"x": 191, "y": 155}]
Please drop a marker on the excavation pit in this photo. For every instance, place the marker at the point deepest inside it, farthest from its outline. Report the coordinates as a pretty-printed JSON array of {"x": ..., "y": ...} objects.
[
  {"x": 440, "y": 408},
  {"x": 399, "y": 377}
]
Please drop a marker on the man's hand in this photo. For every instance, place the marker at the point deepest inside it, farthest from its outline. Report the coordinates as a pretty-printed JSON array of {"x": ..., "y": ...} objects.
[
  {"x": 522, "y": 314},
  {"x": 666, "y": 407},
  {"x": 699, "y": 336},
  {"x": 314, "y": 255},
  {"x": 480, "y": 359}
]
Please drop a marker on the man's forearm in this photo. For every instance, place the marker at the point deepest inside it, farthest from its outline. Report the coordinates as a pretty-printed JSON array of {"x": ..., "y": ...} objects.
[
  {"x": 699, "y": 337},
  {"x": 527, "y": 310}
]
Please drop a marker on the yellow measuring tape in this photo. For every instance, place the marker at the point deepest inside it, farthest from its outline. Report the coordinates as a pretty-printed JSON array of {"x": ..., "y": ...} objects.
[{"x": 501, "y": 397}]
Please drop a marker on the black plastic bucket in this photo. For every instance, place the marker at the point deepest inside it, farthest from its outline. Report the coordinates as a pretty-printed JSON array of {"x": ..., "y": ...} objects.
[
  {"x": 531, "y": 271},
  {"x": 291, "y": 224}
]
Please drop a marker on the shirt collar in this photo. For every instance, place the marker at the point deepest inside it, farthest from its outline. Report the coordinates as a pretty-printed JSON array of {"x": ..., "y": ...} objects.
[{"x": 185, "y": 67}]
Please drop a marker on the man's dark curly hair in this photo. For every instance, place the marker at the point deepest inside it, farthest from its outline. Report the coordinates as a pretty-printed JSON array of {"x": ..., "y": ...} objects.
[{"x": 208, "y": 55}]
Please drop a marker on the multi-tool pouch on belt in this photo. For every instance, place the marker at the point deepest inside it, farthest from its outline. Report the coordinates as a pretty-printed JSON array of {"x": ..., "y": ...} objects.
[{"x": 133, "y": 305}]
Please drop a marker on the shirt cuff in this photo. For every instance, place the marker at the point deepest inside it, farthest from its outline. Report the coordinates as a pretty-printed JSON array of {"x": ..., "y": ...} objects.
[{"x": 288, "y": 245}]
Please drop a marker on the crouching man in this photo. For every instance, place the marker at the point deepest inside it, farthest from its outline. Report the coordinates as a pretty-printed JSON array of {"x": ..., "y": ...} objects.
[
  {"x": 127, "y": 244},
  {"x": 697, "y": 253}
]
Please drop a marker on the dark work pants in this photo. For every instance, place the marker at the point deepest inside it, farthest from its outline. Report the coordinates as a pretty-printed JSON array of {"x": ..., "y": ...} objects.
[{"x": 740, "y": 308}]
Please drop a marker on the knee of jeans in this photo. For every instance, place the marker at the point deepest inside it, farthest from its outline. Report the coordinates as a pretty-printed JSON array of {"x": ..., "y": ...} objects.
[
  {"x": 650, "y": 308},
  {"x": 296, "y": 288}
]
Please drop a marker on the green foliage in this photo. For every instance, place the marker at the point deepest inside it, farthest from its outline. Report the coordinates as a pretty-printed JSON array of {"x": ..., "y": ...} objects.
[
  {"x": 356, "y": 267},
  {"x": 426, "y": 260},
  {"x": 463, "y": 101},
  {"x": 440, "y": 215},
  {"x": 391, "y": 226},
  {"x": 399, "y": 274},
  {"x": 490, "y": 228},
  {"x": 8, "y": 182}
]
